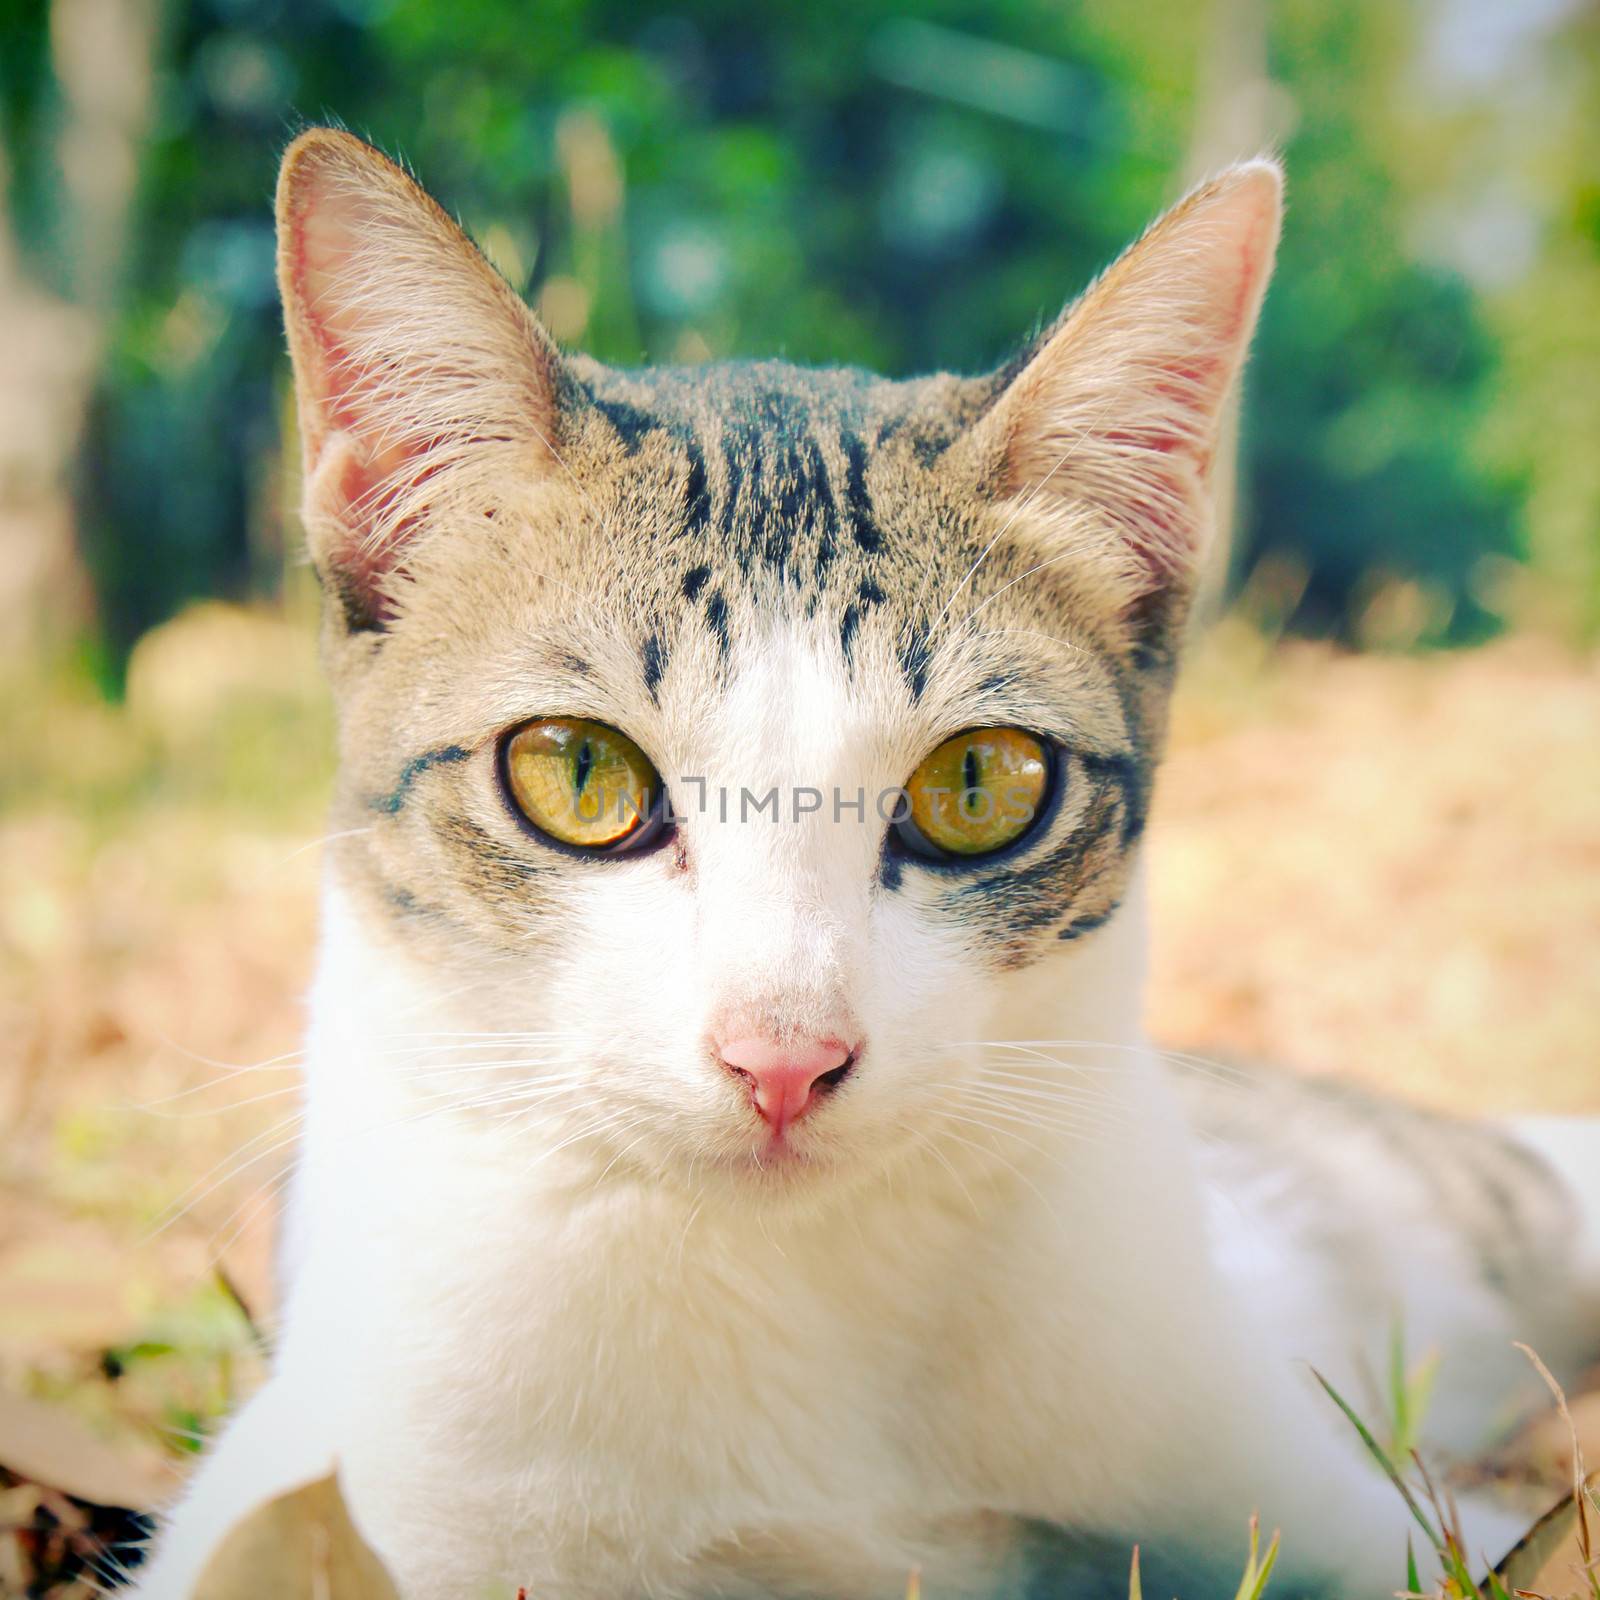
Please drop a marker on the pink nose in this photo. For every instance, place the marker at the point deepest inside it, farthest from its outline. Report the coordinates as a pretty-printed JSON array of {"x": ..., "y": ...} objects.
[{"x": 783, "y": 1078}]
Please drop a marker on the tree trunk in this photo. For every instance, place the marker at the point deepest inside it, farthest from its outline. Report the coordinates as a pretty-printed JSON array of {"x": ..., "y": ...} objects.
[{"x": 53, "y": 335}]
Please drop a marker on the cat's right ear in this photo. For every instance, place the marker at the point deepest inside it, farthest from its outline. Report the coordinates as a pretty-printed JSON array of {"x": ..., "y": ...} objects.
[
  {"x": 421, "y": 378},
  {"x": 1100, "y": 442}
]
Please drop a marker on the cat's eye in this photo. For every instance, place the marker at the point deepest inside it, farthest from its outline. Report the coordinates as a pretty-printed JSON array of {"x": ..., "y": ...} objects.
[
  {"x": 977, "y": 793},
  {"x": 581, "y": 783}
]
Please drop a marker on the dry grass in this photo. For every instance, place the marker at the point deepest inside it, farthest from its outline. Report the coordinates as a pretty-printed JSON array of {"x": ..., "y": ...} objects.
[
  {"x": 1383, "y": 866},
  {"x": 1387, "y": 867}
]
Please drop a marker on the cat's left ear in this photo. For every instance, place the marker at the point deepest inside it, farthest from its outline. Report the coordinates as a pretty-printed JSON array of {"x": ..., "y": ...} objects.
[
  {"x": 423, "y": 381},
  {"x": 1102, "y": 442}
]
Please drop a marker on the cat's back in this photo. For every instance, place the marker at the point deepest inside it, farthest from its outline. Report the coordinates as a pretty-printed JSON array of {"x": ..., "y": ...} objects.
[{"x": 1334, "y": 1208}]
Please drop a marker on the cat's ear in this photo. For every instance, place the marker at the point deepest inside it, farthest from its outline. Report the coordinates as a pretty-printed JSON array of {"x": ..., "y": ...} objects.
[
  {"x": 1109, "y": 427},
  {"x": 421, "y": 378}
]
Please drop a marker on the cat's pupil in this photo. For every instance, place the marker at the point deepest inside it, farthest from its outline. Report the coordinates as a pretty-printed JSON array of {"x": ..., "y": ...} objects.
[
  {"x": 582, "y": 765},
  {"x": 969, "y": 772}
]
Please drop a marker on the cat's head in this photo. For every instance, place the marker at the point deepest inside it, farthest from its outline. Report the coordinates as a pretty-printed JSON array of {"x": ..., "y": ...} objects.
[{"x": 896, "y": 654}]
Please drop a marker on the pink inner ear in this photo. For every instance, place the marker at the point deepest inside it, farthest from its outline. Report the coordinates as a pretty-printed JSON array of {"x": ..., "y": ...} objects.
[
  {"x": 354, "y": 479},
  {"x": 1122, "y": 405},
  {"x": 362, "y": 490}
]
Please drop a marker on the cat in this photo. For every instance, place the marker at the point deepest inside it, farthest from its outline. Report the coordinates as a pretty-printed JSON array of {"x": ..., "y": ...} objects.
[{"x": 733, "y": 1165}]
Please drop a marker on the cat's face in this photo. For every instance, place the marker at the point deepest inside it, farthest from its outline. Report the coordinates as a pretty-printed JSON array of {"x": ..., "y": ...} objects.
[{"x": 894, "y": 654}]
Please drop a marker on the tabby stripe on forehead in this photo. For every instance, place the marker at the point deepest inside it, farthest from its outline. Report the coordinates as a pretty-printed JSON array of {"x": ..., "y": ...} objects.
[
  {"x": 867, "y": 596},
  {"x": 633, "y": 425},
  {"x": 778, "y": 489},
  {"x": 848, "y": 623},
  {"x": 803, "y": 489},
  {"x": 825, "y": 546},
  {"x": 915, "y": 653},
  {"x": 630, "y": 422},
  {"x": 717, "y": 621},
  {"x": 653, "y": 660},
  {"x": 857, "y": 502},
  {"x": 696, "y": 494}
]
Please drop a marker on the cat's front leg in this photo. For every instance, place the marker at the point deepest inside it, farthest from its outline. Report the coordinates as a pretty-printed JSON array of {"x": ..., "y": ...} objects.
[{"x": 271, "y": 1446}]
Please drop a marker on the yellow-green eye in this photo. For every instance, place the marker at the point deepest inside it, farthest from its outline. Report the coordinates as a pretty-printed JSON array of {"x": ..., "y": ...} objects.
[
  {"x": 977, "y": 793},
  {"x": 581, "y": 782}
]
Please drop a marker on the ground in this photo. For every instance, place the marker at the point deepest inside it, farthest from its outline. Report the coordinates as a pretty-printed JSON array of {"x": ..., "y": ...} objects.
[{"x": 1383, "y": 866}]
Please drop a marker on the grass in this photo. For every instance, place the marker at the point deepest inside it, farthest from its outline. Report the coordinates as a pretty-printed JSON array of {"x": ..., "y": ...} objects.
[{"x": 1434, "y": 1511}]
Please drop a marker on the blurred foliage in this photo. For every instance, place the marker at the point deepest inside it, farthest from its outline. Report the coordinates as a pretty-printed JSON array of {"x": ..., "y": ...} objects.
[{"x": 851, "y": 182}]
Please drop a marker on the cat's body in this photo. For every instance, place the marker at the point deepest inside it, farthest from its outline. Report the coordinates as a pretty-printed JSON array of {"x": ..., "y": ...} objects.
[{"x": 586, "y": 1296}]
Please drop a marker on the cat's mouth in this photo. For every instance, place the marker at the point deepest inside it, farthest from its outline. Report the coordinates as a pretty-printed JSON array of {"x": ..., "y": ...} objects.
[{"x": 780, "y": 1159}]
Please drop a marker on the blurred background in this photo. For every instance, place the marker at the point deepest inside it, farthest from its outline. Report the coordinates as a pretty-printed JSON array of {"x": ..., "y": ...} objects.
[{"x": 1378, "y": 839}]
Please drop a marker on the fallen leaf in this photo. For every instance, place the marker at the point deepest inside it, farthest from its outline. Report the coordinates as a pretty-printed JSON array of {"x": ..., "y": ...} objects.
[
  {"x": 301, "y": 1546},
  {"x": 47, "y": 1445},
  {"x": 68, "y": 1286},
  {"x": 1549, "y": 1560}
]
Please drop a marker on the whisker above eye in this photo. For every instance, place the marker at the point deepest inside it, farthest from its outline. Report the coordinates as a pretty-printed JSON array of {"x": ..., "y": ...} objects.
[
  {"x": 327, "y": 838},
  {"x": 1036, "y": 633}
]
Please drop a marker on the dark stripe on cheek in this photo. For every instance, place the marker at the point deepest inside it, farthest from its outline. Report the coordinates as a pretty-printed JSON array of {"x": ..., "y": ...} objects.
[
  {"x": 446, "y": 755},
  {"x": 492, "y": 865},
  {"x": 1083, "y": 925},
  {"x": 1036, "y": 895},
  {"x": 694, "y": 581},
  {"x": 405, "y": 904},
  {"x": 1132, "y": 775}
]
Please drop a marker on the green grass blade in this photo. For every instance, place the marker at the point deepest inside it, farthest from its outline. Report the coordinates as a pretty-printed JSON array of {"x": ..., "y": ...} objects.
[
  {"x": 1247, "y": 1582},
  {"x": 1379, "y": 1455},
  {"x": 1269, "y": 1561},
  {"x": 1399, "y": 1409}
]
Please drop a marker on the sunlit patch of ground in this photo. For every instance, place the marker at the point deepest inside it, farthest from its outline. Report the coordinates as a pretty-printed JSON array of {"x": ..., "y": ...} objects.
[
  {"x": 1386, "y": 867},
  {"x": 1382, "y": 866}
]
